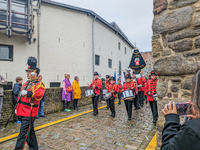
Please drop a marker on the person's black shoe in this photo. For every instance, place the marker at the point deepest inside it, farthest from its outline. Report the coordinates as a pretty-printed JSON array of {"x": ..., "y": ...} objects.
[
  {"x": 138, "y": 108},
  {"x": 135, "y": 109},
  {"x": 129, "y": 118},
  {"x": 141, "y": 105},
  {"x": 76, "y": 108},
  {"x": 119, "y": 103},
  {"x": 37, "y": 117},
  {"x": 94, "y": 114},
  {"x": 43, "y": 117},
  {"x": 112, "y": 115}
]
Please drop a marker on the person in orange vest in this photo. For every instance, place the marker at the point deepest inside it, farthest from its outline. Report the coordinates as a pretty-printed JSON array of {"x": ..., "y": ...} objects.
[
  {"x": 129, "y": 85},
  {"x": 112, "y": 88},
  {"x": 119, "y": 86},
  {"x": 28, "y": 104},
  {"x": 151, "y": 87},
  {"x": 96, "y": 85},
  {"x": 107, "y": 83}
]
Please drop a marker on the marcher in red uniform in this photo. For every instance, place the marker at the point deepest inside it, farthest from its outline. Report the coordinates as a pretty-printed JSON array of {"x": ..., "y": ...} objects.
[
  {"x": 143, "y": 87},
  {"x": 136, "y": 101},
  {"x": 112, "y": 88},
  {"x": 119, "y": 86},
  {"x": 96, "y": 85},
  {"x": 129, "y": 85},
  {"x": 141, "y": 82},
  {"x": 151, "y": 86},
  {"x": 28, "y": 105},
  {"x": 107, "y": 83}
]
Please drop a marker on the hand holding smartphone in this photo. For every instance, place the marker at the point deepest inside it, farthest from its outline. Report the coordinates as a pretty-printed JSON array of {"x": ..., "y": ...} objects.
[{"x": 182, "y": 109}]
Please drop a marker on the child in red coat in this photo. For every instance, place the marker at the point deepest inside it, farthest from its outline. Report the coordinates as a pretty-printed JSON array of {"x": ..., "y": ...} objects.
[{"x": 119, "y": 86}]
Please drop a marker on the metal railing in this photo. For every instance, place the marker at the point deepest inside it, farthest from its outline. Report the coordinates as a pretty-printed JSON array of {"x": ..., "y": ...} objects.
[{"x": 17, "y": 16}]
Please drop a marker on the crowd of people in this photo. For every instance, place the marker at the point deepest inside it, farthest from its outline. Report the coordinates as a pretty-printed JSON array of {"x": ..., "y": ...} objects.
[{"x": 30, "y": 96}]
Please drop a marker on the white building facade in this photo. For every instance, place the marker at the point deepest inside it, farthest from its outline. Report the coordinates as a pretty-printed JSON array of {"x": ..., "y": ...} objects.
[{"x": 69, "y": 40}]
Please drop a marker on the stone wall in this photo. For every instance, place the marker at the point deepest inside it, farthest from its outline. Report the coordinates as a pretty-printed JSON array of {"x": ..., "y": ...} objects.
[
  {"x": 52, "y": 104},
  {"x": 176, "y": 49}
]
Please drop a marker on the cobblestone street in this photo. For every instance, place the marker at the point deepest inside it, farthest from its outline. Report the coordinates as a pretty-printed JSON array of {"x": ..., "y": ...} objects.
[{"x": 89, "y": 132}]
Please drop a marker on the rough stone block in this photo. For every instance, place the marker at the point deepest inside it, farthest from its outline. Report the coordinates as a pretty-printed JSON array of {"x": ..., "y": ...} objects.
[
  {"x": 181, "y": 3},
  {"x": 197, "y": 43},
  {"x": 187, "y": 84},
  {"x": 181, "y": 46},
  {"x": 197, "y": 6},
  {"x": 159, "y": 6},
  {"x": 188, "y": 33},
  {"x": 156, "y": 46},
  {"x": 175, "y": 65},
  {"x": 173, "y": 21},
  {"x": 197, "y": 19},
  {"x": 166, "y": 52}
]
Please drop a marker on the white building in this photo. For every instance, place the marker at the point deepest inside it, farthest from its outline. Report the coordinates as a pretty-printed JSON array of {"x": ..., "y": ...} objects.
[{"x": 66, "y": 39}]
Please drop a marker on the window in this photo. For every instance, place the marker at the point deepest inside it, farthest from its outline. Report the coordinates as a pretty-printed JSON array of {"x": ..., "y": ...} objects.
[
  {"x": 54, "y": 84},
  {"x": 110, "y": 63},
  {"x": 119, "y": 45},
  {"x": 97, "y": 60},
  {"x": 9, "y": 86},
  {"x": 125, "y": 50},
  {"x": 6, "y": 52}
]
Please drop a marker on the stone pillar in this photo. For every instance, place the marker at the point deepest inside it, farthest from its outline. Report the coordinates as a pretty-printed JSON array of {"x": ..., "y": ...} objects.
[{"x": 176, "y": 49}]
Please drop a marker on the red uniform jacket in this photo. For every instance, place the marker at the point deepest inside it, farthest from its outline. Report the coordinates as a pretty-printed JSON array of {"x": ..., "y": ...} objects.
[
  {"x": 151, "y": 87},
  {"x": 23, "y": 107},
  {"x": 106, "y": 84},
  {"x": 140, "y": 81},
  {"x": 129, "y": 85},
  {"x": 112, "y": 87},
  {"x": 119, "y": 86},
  {"x": 98, "y": 83}
]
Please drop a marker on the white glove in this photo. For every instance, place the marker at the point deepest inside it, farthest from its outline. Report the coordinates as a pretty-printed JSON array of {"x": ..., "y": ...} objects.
[{"x": 23, "y": 92}]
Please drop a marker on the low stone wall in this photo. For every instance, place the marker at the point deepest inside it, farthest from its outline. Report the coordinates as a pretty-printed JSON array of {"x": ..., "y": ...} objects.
[{"x": 52, "y": 104}]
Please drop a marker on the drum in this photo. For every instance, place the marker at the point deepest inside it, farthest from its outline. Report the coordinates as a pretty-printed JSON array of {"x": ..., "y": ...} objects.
[
  {"x": 104, "y": 92},
  {"x": 155, "y": 97},
  {"x": 128, "y": 95},
  {"x": 107, "y": 96},
  {"x": 89, "y": 93}
]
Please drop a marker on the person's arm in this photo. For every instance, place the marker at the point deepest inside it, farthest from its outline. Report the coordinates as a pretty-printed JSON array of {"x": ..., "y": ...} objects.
[
  {"x": 37, "y": 92},
  {"x": 175, "y": 137},
  {"x": 2, "y": 81}
]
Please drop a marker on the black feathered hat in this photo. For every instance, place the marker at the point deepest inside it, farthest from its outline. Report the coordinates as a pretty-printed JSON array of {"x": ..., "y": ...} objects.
[
  {"x": 32, "y": 63},
  {"x": 96, "y": 73},
  {"x": 107, "y": 76},
  {"x": 128, "y": 76},
  {"x": 153, "y": 72},
  {"x": 112, "y": 78}
]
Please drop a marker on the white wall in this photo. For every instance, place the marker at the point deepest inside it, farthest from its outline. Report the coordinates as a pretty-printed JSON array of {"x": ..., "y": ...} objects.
[
  {"x": 106, "y": 45},
  {"x": 66, "y": 44}
]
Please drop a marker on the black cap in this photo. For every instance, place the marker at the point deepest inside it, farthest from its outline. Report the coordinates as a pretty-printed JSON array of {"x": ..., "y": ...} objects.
[
  {"x": 37, "y": 70},
  {"x": 107, "y": 76},
  {"x": 153, "y": 72},
  {"x": 96, "y": 73},
  {"x": 128, "y": 76},
  {"x": 112, "y": 78},
  {"x": 134, "y": 72}
]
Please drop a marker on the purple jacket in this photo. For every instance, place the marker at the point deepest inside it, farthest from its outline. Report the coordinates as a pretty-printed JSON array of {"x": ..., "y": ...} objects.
[{"x": 69, "y": 96}]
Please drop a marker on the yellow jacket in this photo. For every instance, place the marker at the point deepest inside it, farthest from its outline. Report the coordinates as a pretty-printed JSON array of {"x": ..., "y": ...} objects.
[{"x": 76, "y": 90}]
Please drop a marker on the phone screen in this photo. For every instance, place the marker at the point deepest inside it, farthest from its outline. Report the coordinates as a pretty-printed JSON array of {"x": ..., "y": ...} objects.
[{"x": 182, "y": 109}]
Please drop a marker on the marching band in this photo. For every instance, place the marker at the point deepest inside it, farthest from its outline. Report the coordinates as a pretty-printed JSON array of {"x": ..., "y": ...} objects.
[{"x": 134, "y": 91}]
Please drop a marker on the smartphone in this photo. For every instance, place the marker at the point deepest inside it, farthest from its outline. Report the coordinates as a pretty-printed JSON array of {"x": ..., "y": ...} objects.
[{"x": 182, "y": 109}]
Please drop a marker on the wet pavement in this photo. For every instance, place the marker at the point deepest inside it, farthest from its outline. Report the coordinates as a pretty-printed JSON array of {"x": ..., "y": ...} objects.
[{"x": 92, "y": 133}]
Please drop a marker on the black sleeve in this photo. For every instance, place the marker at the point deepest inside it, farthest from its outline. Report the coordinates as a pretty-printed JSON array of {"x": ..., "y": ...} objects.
[
  {"x": 29, "y": 93},
  {"x": 175, "y": 136}
]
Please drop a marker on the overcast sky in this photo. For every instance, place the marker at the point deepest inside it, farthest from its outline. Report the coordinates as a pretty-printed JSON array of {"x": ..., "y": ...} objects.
[{"x": 134, "y": 17}]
